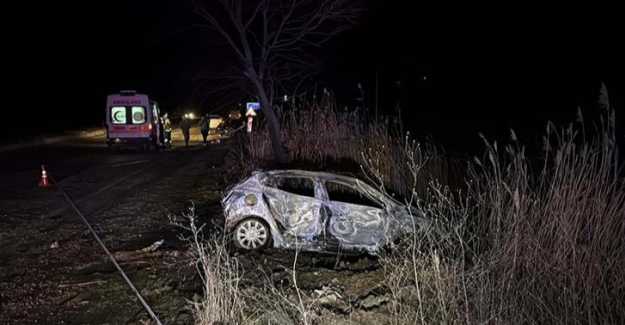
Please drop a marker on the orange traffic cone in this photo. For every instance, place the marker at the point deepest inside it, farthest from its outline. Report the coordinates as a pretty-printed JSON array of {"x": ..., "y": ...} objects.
[{"x": 44, "y": 177}]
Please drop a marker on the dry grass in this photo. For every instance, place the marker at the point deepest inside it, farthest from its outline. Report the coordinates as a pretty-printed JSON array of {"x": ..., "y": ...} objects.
[
  {"x": 554, "y": 236},
  {"x": 223, "y": 300},
  {"x": 286, "y": 305},
  {"x": 323, "y": 136},
  {"x": 525, "y": 240},
  {"x": 524, "y": 244}
]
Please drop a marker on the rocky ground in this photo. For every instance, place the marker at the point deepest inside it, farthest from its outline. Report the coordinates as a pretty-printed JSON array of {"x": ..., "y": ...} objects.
[{"x": 53, "y": 272}]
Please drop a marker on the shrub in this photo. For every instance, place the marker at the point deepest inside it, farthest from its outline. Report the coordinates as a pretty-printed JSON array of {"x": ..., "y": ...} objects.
[
  {"x": 529, "y": 241},
  {"x": 513, "y": 238}
]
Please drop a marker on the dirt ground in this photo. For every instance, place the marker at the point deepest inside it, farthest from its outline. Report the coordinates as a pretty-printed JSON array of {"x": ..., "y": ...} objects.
[{"x": 53, "y": 272}]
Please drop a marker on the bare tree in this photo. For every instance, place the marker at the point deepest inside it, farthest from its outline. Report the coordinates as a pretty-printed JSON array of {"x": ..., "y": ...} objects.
[{"x": 270, "y": 39}]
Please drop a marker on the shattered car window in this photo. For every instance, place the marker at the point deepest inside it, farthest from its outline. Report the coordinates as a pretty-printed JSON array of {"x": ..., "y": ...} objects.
[
  {"x": 346, "y": 194},
  {"x": 295, "y": 185}
]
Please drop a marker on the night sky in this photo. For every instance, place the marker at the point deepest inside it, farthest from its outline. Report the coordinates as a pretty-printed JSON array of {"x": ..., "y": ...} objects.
[{"x": 454, "y": 74}]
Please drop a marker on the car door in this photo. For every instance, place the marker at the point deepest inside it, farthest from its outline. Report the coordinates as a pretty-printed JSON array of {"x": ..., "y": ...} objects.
[
  {"x": 354, "y": 218},
  {"x": 293, "y": 204}
]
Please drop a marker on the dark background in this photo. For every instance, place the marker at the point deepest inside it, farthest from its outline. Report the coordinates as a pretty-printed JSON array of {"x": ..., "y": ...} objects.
[{"x": 453, "y": 71}]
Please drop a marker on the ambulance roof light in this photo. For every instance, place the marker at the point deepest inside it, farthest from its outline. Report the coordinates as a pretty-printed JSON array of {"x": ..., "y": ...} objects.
[{"x": 127, "y": 92}]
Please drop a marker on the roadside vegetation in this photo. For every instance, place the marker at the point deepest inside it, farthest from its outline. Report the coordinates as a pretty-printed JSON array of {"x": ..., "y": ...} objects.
[{"x": 513, "y": 239}]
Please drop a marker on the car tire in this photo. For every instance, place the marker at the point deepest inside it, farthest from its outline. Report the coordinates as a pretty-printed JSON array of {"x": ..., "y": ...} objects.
[{"x": 251, "y": 234}]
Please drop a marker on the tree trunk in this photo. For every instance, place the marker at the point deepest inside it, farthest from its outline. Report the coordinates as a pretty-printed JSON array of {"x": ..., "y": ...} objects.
[{"x": 279, "y": 151}]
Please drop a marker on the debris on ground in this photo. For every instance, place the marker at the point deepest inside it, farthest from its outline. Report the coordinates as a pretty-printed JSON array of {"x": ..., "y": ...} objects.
[{"x": 154, "y": 246}]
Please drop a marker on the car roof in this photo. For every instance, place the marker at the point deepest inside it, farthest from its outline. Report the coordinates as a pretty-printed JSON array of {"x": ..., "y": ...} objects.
[
  {"x": 326, "y": 176},
  {"x": 315, "y": 174}
]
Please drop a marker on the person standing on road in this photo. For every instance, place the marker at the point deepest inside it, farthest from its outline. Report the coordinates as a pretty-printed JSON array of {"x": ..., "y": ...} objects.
[
  {"x": 185, "y": 126},
  {"x": 167, "y": 130},
  {"x": 204, "y": 127}
]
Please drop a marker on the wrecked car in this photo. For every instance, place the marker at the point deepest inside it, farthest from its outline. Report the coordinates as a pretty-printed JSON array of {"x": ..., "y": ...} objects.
[{"x": 313, "y": 211}]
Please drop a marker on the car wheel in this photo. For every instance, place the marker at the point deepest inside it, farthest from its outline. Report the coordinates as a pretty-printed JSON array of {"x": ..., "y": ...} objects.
[{"x": 251, "y": 234}]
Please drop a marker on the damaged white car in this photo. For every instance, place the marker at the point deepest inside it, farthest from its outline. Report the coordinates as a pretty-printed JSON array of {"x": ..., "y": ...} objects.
[{"x": 313, "y": 211}]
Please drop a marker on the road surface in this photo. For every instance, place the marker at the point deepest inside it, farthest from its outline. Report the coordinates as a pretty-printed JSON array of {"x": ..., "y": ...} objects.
[
  {"x": 51, "y": 269},
  {"x": 53, "y": 272}
]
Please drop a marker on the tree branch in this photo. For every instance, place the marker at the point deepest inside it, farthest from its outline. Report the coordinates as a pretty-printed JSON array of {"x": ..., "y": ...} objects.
[{"x": 200, "y": 10}]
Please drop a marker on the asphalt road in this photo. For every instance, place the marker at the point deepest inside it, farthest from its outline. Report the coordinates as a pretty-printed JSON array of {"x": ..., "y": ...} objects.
[
  {"x": 51, "y": 269},
  {"x": 53, "y": 272},
  {"x": 70, "y": 156}
]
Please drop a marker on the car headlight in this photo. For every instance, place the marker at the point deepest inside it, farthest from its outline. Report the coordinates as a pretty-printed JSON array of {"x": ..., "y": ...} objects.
[{"x": 251, "y": 199}]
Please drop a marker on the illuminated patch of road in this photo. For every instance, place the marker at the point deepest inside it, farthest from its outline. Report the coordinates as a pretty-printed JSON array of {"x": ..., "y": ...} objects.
[{"x": 129, "y": 163}]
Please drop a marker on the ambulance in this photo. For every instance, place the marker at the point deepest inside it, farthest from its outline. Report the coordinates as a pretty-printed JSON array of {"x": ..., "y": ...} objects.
[{"x": 133, "y": 119}]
